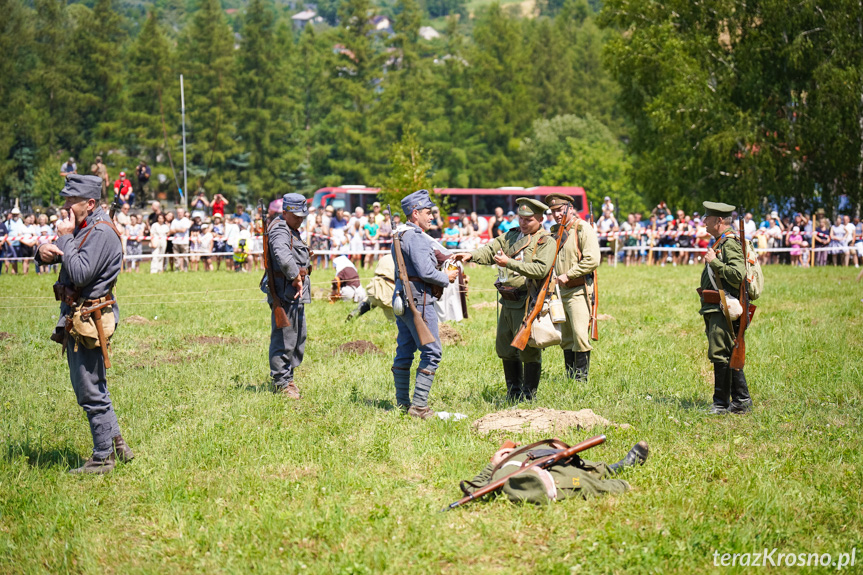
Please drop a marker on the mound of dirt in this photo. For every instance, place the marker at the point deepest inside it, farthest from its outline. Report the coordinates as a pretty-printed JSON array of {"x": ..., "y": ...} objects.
[
  {"x": 5, "y": 335},
  {"x": 540, "y": 419},
  {"x": 137, "y": 320},
  {"x": 359, "y": 347},
  {"x": 604, "y": 317},
  {"x": 484, "y": 305},
  {"x": 449, "y": 335}
]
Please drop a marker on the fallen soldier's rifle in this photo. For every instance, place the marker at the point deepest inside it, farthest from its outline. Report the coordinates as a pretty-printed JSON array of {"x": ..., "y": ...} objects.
[{"x": 541, "y": 463}]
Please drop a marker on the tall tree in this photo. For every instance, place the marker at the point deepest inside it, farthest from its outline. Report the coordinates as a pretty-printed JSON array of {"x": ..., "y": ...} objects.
[{"x": 208, "y": 65}]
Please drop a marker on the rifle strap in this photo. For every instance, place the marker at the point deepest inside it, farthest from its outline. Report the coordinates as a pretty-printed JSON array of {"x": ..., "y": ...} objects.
[{"x": 723, "y": 302}]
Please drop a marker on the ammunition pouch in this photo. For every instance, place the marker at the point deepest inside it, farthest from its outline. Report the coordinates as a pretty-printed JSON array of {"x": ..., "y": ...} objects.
[
  {"x": 81, "y": 324},
  {"x": 65, "y": 294},
  {"x": 510, "y": 293},
  {"x": 709, "y": 296}
]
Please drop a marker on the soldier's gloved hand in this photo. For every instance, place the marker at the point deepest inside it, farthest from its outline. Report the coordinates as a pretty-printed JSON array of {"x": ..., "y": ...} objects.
[
  {"x": 452, "y": 275},
  {"x": 49, "y": 252},
  {"x": 298, "y": 285},
  {"x": 501, "y": 454}
]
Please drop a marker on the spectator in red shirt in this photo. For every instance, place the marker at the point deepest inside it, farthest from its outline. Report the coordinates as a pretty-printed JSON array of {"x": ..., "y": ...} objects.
[
  {"x": 218, "y": 205},
  {"x": 123, "y": 190}
]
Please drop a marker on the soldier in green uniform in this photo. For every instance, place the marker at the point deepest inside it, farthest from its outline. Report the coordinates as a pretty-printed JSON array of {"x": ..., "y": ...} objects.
[
  {"x": 723, "y": 273},
  {"x": 574, "y": 478},
  {"x": 576, "y": 260},
  {"x": 524, "y": 256}
]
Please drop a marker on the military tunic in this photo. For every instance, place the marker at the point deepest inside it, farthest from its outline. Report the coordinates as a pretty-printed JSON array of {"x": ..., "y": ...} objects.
[
  {"x": 530, "y": 260},
  {"x": 729, "y": 269},
  {"x": 91, "y": 268},
  {"x": 421, "y": 268},
  {"x": 290, "y": 259},
  {"x": 588, "y": 479},
  {"x": 575, "y": 333}
]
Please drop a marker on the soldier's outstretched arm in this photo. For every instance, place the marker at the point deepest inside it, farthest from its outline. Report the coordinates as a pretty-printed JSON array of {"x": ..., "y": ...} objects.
[
  {"x": 484, "y": 255},
  {"x": 542, "y": 261},
  {"x": 280, "y": 249},
  {"x": 590, "y": 255}
]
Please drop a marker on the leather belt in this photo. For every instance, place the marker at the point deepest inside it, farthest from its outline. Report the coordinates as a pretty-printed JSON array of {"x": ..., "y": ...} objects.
[{"x": 574, "y": 282}]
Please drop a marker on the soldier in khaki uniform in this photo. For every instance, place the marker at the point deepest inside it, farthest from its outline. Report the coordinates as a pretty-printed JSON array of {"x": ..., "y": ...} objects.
[
  {"x": 578, "y": 257},
  {"x": 724, "y": 269},
  {"x": 524, "y": 256}
]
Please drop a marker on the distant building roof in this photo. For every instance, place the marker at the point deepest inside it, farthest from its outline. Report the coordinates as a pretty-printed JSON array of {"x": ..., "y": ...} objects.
[
  {"x": 231, "y": 11},
  {"x": 428, "y": 33},
  {"x": 304, "y": 15}
]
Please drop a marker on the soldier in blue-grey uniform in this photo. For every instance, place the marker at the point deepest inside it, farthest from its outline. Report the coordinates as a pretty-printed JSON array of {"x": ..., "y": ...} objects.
[
  {"x": 91, "y": 254},
  {"x": 425, "y": 280},
  {"x": 291, "y": 267}
]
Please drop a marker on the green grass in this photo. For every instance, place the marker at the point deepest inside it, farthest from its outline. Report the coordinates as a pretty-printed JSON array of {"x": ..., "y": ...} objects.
[{"x": 231, "y": 478}]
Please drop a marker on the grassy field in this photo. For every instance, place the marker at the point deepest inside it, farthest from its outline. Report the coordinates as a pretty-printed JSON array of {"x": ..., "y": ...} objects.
[{"x": 231, "y": 478}]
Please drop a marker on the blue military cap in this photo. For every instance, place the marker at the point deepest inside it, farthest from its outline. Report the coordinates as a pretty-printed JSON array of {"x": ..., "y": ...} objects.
[
  {"x": 418, "y": 200},
  {"x": 296, "y": 204},
  {"x": 79, "y": 186}
]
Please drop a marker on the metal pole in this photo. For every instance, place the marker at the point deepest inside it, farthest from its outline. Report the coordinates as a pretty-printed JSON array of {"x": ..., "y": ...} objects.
[{"x": 185, "y": 190}]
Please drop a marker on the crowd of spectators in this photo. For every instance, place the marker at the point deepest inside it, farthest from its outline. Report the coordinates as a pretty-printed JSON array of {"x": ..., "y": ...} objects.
[{"x": 211, "y": 235}]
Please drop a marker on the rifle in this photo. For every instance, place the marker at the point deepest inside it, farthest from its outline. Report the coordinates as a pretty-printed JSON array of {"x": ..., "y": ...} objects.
[
  {"x": 594, "y": 300},
  {"x": 738, "y": 354},
  {"x": 523, "y": 335},
  {"x": 279, "y": 315},
  {"x": 542, "y": 463},
  {"x": 423, "y": 330}
]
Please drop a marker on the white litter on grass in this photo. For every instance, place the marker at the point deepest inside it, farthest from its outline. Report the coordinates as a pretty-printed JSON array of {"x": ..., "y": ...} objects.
[{"x": 446, "y": 416}]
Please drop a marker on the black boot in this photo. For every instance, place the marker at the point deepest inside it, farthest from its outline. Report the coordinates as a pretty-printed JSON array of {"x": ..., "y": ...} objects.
[
  {"x": 362, "y": 307},
  {"x": 532, "y": 372},
  {"x": 740, "y": 400},
  {"x": 512, "y": 372},
  {"x": 721, "y": 388},
  {"x": 582, "y": 365},
  {"x": 569, "y": 362},
  {"x": 636, "y": 456}
]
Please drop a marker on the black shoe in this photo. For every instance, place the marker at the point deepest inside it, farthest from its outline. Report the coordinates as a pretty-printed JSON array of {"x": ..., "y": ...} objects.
[
  {"x": 122, "y": 450},
  {"x": 636, "y": 456},
  {"x": 569, "y": 362},
  {"x": 532, "y": 371},
  {"x": 96, "y": 466},
  {"x": 582, "y": 365},
  {"x": 721, "y": 389},
  {"x": 362, "y": 307},
  {"x": 740, "y": 400},
  {"x": 512, "y": 373}
]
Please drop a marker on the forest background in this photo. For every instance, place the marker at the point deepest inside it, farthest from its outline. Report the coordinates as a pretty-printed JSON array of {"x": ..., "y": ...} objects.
[{"x": 758, "y": 104}]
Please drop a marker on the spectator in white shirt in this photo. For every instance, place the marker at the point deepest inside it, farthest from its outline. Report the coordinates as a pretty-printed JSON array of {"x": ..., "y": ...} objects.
[
  {"x": 180, "y": 229},
  {"x": 749, "y": 226},
  {"x": 850, "y": 232}
]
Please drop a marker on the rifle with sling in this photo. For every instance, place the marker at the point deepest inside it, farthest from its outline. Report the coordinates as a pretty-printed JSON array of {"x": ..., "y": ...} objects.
[
  {"x": 523, "y": 335},
  {"x": 279, "y": 314},
  {"x": 594, "y": 300},
  {"x": 542, "y": 463},
  {"x": 423, "y": 330},
  {"x": 738, "y": 354}
]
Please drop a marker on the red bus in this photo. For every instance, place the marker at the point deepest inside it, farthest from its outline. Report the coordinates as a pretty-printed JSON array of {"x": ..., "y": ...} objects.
[{"x": 480, "y": 200}]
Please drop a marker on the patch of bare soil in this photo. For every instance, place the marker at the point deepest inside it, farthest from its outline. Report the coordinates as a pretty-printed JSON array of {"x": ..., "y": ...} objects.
[
  {"x": 137, "y": 320},
  {"x": 5, "y": 335},
  {"x": 359, "y": 347},
  {"x": 484, "y": 305},
  {"x": 449, "y": 335},
  {"x": 604, "y": 317},
  {"x": 215, "y": 340},
  {"x": 540, "y": 419}
]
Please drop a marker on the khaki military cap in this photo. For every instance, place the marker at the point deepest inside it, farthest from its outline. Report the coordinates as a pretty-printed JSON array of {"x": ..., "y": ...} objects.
[
  {"x": 530, "y": 207},
  {"x": 718, "y": 209},
  {"x": 558, "y": 199}
]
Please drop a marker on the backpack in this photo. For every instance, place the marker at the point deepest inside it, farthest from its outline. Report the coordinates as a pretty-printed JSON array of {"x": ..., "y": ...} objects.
[{"x": 754, "y": 273}]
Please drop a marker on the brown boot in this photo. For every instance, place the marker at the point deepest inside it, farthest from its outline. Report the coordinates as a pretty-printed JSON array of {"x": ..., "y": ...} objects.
[
  {"x": 122, "y": 450},
  {"x": 421, "y": 412},
  {"x": 96, "y": 466},
  {"x": 292, "y": 391}
]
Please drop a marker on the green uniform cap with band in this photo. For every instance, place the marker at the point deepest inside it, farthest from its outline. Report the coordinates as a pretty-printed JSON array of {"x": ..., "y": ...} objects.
[
  {"x": 558, "y": 199},
  {"x": 529, "y": 207},
  {"x": 718, "y": 209}
]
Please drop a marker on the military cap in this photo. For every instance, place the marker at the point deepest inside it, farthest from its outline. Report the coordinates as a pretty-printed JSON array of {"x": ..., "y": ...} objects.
[
  {"x": 419, "y": 200},
  {"x": 558, "y": 199},
  {"x": 79, "y": 186},
  {"x": 530, "y": 207},
  {"x": 295, "y": 203},
  {"x": 717, "y": 209}
]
